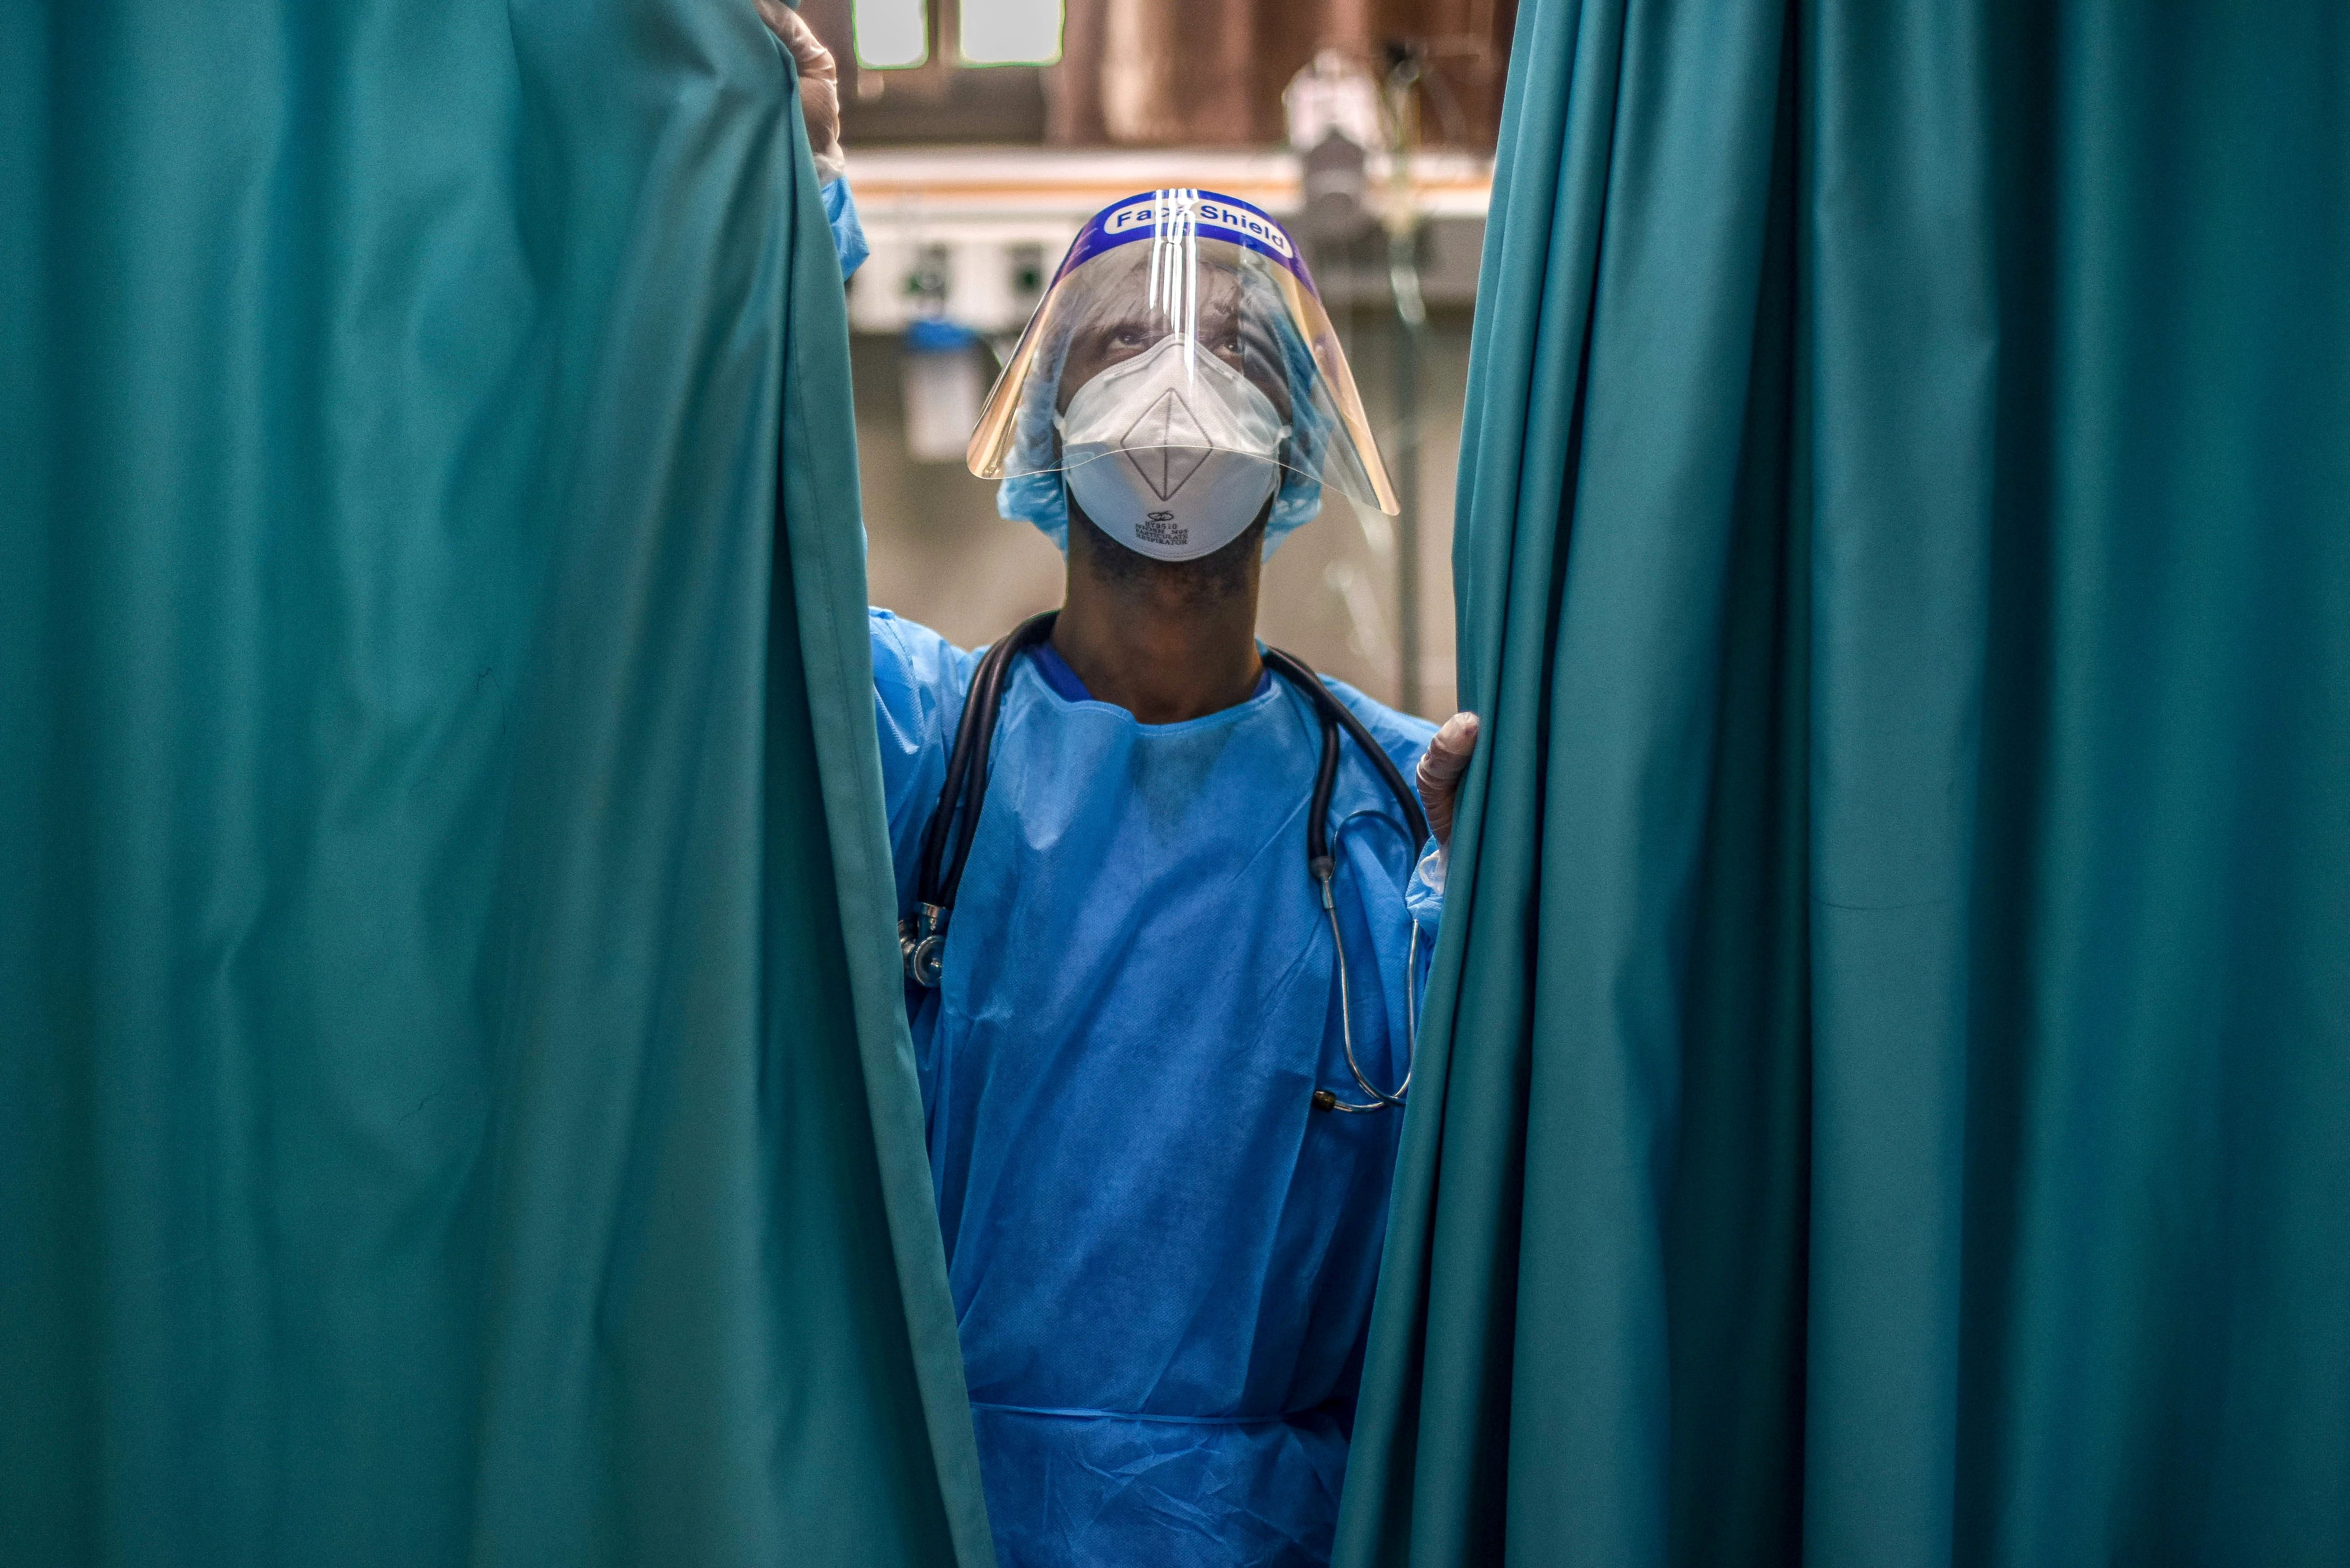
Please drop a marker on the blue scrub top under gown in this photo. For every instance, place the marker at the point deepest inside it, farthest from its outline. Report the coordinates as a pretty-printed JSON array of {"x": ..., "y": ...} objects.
[{"x": 1162, "y": 1257}]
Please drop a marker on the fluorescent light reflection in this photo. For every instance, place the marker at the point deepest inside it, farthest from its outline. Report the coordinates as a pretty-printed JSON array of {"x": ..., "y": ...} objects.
[
  {"x": 891, "y": 34},
  {"x": 1011, "y": 32}
]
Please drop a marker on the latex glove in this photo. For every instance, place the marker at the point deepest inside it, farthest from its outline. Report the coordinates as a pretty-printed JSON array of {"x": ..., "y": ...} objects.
[
  {"x": 1440, "y": 767},
  {"x": 819, "y": 87}
]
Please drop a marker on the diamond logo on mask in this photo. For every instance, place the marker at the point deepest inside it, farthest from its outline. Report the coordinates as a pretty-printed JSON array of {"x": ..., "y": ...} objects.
[{"x": 1167, "y": 444}]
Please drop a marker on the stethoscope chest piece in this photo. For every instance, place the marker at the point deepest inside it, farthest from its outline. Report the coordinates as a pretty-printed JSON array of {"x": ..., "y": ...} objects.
[{"x": 922, "y": 944}]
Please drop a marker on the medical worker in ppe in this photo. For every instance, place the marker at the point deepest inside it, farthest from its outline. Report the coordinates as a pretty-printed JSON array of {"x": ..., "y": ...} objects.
[
  {"x": 1168, "y": 900},
  {"x": 1164, "y": 928}
]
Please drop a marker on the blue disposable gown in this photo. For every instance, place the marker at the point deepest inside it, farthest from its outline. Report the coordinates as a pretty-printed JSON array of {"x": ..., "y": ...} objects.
[{"x": 1162, "y": 1257}]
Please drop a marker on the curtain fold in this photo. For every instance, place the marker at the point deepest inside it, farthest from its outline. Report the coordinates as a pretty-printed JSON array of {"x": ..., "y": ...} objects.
[
  {"x": 1885, "y": 1093},
  {"x": 454, "y": 1103}
]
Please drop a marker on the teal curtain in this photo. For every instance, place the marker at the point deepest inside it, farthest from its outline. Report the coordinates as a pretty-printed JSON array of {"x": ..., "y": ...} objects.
[
  {"x": 1886, "y": 1099},
  {"x": 454, "y": 1104}
]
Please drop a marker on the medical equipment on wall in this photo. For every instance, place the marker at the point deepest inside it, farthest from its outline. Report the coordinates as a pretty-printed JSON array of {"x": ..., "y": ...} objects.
[
  {"x": 921, "y": 936},
  {"x": 943, "y": 381}
]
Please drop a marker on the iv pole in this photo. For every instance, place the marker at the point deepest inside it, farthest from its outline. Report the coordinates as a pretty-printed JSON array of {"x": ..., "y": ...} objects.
[{"x": 1403, "y": 222}]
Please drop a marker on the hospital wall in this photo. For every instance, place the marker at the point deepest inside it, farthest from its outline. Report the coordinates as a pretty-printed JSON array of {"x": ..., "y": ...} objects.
[{"x": 940, "y": 556}]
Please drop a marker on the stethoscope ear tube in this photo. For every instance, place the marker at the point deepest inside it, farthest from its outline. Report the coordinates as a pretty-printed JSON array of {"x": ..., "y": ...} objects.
[
  {"x": 1026, "y": 635},
  {"x": 1326, "y": 702},
  {"x": 921, "y": 936},
  {"x": 1318, "y": 818},
  {"x": 967, "y": 763}
]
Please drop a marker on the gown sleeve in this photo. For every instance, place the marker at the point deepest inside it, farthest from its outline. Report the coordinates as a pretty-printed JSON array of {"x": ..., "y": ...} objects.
[{"x": 1424, "y": 894}]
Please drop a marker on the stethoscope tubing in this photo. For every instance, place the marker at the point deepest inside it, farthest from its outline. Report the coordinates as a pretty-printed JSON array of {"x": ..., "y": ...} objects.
[{"x": 921, "y": 936}]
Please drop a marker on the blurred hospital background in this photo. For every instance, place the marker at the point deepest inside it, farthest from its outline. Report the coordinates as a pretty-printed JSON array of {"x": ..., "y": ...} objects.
[{"x": 981, "y": 135}]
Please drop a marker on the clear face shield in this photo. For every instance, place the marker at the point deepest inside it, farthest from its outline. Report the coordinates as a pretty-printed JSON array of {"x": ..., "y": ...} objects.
[{"x": 1180, "y": 378}]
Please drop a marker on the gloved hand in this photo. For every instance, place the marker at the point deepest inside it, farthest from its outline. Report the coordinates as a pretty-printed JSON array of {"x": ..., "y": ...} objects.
[
  {"x": 1440, "y": 767},
  {"x": 819, "y": 87}
]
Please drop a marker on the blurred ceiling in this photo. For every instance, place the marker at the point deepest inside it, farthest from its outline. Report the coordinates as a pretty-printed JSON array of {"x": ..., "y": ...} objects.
[{"x": 1174, "y": 73}]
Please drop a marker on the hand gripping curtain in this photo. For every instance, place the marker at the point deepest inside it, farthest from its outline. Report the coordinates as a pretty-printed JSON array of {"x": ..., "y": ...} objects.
[
  {"x": 454, "y": 1106},
  {"x": 1885, "y": 1093}
]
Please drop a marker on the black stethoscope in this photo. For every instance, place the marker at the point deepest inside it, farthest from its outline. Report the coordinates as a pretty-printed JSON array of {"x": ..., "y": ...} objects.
[{"x": 921, "y": 936}]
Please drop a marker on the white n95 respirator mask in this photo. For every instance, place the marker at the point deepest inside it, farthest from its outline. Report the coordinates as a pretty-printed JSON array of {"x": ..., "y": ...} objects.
[{"x": 1172, "y": 453}]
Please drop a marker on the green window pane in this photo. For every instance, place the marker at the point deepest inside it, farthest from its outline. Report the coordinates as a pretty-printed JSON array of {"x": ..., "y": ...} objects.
[
  {"x": 893, "y": 34},
  {"x": 1011, "y": 32}
]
